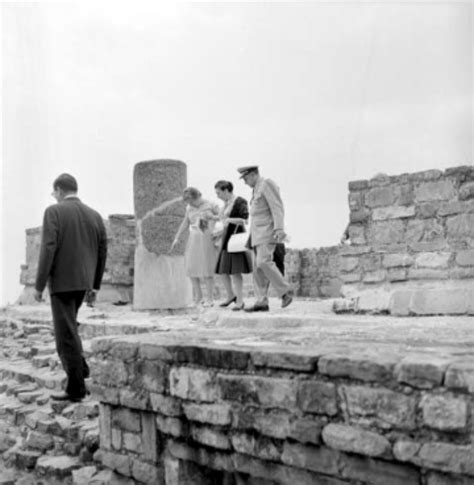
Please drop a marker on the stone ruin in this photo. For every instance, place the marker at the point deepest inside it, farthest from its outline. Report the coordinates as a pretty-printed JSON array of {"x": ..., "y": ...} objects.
[
  {"x": 411, "y": 248},
  {"x": 296, "y": 396}
]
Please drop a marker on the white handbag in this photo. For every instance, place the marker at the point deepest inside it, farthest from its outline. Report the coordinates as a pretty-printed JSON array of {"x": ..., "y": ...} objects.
[{"x": 237, "y": 243}]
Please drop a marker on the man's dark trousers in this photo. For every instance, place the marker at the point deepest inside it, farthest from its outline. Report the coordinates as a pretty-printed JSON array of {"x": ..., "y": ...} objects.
[{"x": 65, "y": 307}]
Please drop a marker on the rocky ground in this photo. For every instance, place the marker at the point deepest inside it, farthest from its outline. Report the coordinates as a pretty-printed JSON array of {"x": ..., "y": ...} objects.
[{"x": 45, "y": 442}]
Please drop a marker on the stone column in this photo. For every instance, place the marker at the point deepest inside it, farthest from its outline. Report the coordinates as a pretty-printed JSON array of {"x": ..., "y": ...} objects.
[{"x": 159, "y": 279}]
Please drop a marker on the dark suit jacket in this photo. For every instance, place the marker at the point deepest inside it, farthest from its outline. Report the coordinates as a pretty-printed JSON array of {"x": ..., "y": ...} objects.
[{"x": 73, "y": 248}]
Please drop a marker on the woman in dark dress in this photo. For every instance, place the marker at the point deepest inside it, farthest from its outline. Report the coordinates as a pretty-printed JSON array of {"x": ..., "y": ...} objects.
[{"x": 231, "y": 266}]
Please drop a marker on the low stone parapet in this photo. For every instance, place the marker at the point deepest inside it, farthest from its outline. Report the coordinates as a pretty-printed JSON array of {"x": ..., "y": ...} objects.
[{"x": 203, "y": 407}]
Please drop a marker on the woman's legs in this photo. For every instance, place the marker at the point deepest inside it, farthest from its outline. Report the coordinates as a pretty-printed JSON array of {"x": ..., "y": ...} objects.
[
  {"x": 227, "y": 286},
  {"x": 197, "y": 293},
  {"x": 238, "y": 282},
  {"x": 210, "y": 288}
]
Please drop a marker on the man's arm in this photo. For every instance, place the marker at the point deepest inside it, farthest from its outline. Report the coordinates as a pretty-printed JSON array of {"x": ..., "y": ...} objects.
[
  {"x": 102, "y": 255},
  {"x": 49, "y": 243},
  {"x": 272, "y": 194}
]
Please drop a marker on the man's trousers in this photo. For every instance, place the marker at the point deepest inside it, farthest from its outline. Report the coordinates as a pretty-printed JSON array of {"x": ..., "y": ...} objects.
[
  {"x": 65, "y": 307},
  {"x": 265, "y": 272}
]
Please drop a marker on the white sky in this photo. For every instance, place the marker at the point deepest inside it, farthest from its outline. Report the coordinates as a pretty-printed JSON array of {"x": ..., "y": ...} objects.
[{"x": 317, "y": 94}]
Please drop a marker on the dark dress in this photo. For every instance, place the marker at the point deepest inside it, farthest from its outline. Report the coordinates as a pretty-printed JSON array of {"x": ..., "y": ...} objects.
[{"x": 234, "y": 263}]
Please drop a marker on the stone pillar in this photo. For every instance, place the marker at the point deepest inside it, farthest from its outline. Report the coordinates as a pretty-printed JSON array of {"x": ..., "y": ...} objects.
[{"x": 159, "y": 277}]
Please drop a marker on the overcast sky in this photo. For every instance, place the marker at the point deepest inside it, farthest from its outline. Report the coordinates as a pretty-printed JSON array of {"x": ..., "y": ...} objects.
[{"x": 317, "y": 94}]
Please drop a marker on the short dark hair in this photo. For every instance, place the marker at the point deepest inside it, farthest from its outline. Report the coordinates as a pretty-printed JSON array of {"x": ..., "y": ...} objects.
[
  {"x": 65, "y": 182},
  {"x": 224, "y": 185},
  {"x": 192, "y": 193}
]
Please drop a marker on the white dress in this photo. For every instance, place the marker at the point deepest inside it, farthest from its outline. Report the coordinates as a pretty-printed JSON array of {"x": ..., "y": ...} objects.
[{"x": 200, "y": 254}]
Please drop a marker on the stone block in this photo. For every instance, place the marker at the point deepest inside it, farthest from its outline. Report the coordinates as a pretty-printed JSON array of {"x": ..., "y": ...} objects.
[
  {"x": 149, "y": 375},
  {"x": 124, "y": 351},
  {"x": 423, "y": 372},
  {"x": 434, "y": 478},
  {"x": 358, "y": 185},
  {"x": 399, "y": 304},
  {"x": 217, "y": 414},
  {"x": 397, "y": 274},
  {"x": 105, "y": 425},
  {"x": 222, "y": 357},
  {"x": 317, "y": 397},
  {"x": 460, "y": 226},
  {"x": 59, "y": 466},
  {"x": 260, "y": 447},
  {"x": 460, "y": 375},
  {"x": 466, "y": 191},
  {"x": 406, "y": 450},
  {"x": 379, "y": 407},
  {"x": 172, "y": 426},
  {"x": 276, "y": 424},
  {"x": 397, "y": 260},
  {"x": 135, "y": 399},
  {"x": 439, "y": 190},
  {"x": 193, "y": 384},
  {"x": 427, "y": 210},
  {"x": 357, "y": 234},
  {"x": 110, "y": 372},
  {"x": 369, "y": 470},
  {"x": 210, "y": 437},
  {"x": 465, "y": 258},
  {"x": 446, "y": 457},
  {"x": 353, "y": 250},
  {"x": 315, "y": 458},
  {"x": 167, "y": 405},
  {"x": 355, "y": 440},
  {"x": 132, "y": 442},
  {"x": 306, "y": 430},
  {"x": 393, "y": 212},
  {"x": 263, "y": 391},
  {"x": 360, "y": 216},
  {"x": 381, "y": 196},
  {"x": 462, "y": 274},
  {"x": 126, "y": 420},
  {"x": 373, "y": 300},
  {"x": 432, "y": 260},
  {"x": 444, "y": 413},
  {"x": 356, "y": 200},
  {"x": 375, "y": 276},
  {"x": 350, "y": 277},
  {"x": 39, "y": 441},
  {"x": 427, "y": 274},
  {"x": 280, "y": 358},
  {"x": 115, "y": 461},
  {"x": 439, "y": 302},
  {"x": 386, "y": 232},
  {"x": 349, "y": 263},
  {"x": 376, "y": 367},
  {"x": 116, "y": 440},
  {"x": 147, "y": 473}
]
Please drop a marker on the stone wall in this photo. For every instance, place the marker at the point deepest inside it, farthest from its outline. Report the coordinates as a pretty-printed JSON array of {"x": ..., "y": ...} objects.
[
  {"x": 193, "y": 413},
  {"x": 118, "y": 277},
  {"x": 412, "y": 242}
]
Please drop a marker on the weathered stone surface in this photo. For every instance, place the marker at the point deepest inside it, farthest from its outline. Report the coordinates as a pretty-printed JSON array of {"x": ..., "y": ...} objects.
[
  {"x": 158, "y": 232},
  {"x": 306, "y": 430},
  {"x": 149, "y": 375},
  {"x": 39, "y": 441},
  {"x": 424, "y": 372},
  {"x": 172, "y": 426},
  {"x": 359, "y": 216},
  {"x": 126, "y": 419},
  {"x": 357, "y": 185},
  {"x": 349, "y": 263},
  {"x": 465, "y": 258},
  {"x": 316, "y": 458},
  {"x": 439, "y": 302},
  {"x": 149, "y": 437},
  {"x": 355, "y": 440},
  {"x": 110, "y": 371},
  {"x": 357, "y": 234},
  {"x": 218, "y": 414},
  {"x": 434, "y": 478},
  {"x": 444, "y": 412},
  {"x": 387, "y": 232},
  {"x": 60, "y": 466},
  {"x": 427, "y": 274},
  {"x": 396, "y": 260},
  {"x": 210, "y": 437},
  {"x": 427, "y": 210},
  {"x": 460, "y": 226},
  {"x": 439, "y": 190},
  {"x": 393, "y": 212},
  {"x": 466, "y": 191},
  {"x": 146, "y": 473},
  {"x": 132, "y": 442},
  {"x": 317, "y": 397},
  {"x": 280, "y": 358},
  {"x": 381, "y": 196},
  {"x": 397, "y": 274},
  {"x": 250, "y": 445},
  {"x": 384, "y": 408},
  {"x": 432, "y": 260},
  {"x": 193, "y": 384},
  {"x": 460, "y": 375},
  {"x": 167, "y": 405},
  {"x": 399, "y": 304},
  {"x": 264, "y": 391},
  {"x": 375, "y": 276},
  {"x": 118, "y": 462},
  {"x": 373, "y": 367},
  {"x": 275, "y": 424},
  {"x": 83, "y": 475},
  {"x": 424, "y": 231}
]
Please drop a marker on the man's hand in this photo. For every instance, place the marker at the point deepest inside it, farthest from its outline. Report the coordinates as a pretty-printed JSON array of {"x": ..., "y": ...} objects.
[
  {"x": 279, "y": 235},
  {"x": 38, "y": 296},
  {"x": 91, "y": 296}
]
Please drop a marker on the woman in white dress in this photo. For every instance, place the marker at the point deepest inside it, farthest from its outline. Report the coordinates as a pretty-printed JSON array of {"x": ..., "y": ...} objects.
[{"x": 200, "y": 253}]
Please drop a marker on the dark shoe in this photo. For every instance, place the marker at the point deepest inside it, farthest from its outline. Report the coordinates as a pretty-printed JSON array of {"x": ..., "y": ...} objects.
[
  {"x": 238, "y": 308},
  {"x": 64, "y": 396},
  {"x": 258, "y": 307},
  {"x": 286, "y": 299},
  {"x": 228, "y": 302}
]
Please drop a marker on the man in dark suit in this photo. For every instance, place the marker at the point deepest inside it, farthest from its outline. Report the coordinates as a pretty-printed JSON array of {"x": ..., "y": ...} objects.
[{"x": 72, "y": 262}]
